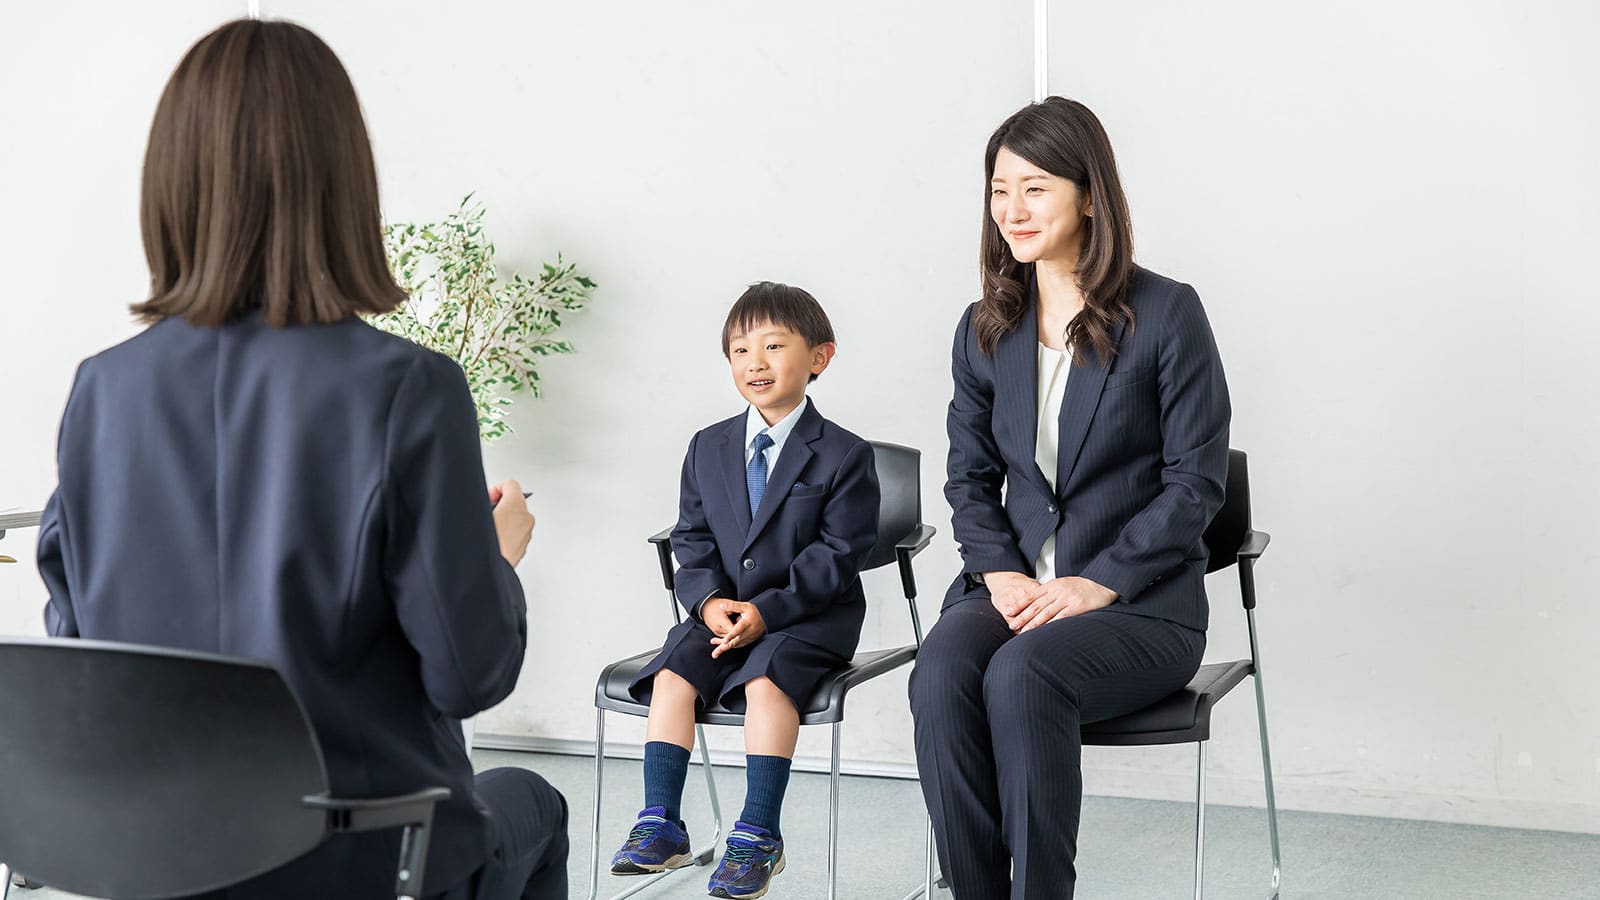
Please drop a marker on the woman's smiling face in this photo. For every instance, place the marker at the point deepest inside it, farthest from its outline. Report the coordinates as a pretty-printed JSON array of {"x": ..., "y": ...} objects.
[{"x": 1040, "y": 215}]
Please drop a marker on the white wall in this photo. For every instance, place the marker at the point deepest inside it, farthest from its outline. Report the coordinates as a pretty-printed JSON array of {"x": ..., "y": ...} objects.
[
  {"x": 1389, "y": 209},
  {"x": 1406, "y": 355},
  {"x": 679, "y": 152},
  {"x": 78, "y": 87}
]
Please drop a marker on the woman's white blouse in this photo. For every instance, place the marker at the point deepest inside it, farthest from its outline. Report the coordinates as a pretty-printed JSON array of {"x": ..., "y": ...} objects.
[{"x": 1054, "y": 367}]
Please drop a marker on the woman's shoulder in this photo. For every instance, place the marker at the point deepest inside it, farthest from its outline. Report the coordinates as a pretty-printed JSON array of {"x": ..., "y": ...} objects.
[
  {"x": 1152, "y": 287},
  {"x": 966, "y": 316},
  {"x": 1152, "y": 295},
  {"x": 154, "y": 341},
  {"x": 966, "y": 327}
]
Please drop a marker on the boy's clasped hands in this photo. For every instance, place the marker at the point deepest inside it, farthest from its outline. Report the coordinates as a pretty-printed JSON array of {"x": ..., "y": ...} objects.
[{"x": 734, "y": 624}]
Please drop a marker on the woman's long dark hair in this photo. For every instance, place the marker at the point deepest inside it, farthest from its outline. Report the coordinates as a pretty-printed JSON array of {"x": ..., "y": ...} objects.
[{"x": 1063, "y": 138}]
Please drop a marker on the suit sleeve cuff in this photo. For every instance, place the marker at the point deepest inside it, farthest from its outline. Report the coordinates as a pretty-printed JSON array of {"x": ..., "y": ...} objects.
[
  {"x": 978, "y": 565},
  {"x": 1105, "y": 574},
  {"x": 700, "y": 606},
  {"x": 773, "y": 608}
]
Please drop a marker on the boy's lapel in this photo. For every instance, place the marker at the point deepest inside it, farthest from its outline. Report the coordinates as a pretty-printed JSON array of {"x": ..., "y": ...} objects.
[
  {"x": 733, "y": 472},
  {"x": 791, "y": 462},
  {"x": 1084, "y": 386}
]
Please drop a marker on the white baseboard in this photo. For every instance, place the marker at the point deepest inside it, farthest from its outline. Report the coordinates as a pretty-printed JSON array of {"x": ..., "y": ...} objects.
[
  {"x": 1292, "y": 793},
  {"x": 1303, "y": 795}
]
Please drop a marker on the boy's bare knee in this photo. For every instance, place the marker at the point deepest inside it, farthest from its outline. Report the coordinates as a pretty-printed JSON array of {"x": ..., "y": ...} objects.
[
  {"x": 763, "y": 691},
  {"x": 671, "y": 682}
]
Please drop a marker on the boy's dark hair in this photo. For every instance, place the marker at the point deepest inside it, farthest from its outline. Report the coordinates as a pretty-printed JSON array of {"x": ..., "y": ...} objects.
[
  {"x": 780, "y": 304},
  {"x": 259, "y": 189}
]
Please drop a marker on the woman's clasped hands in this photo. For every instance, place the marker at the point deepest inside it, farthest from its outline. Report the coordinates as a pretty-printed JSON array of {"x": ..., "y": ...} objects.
[{"x": 1026, "y": 604}]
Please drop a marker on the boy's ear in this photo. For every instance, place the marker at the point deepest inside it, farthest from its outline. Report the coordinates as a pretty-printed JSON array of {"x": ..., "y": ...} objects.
[{"x": 821, "y": 355}]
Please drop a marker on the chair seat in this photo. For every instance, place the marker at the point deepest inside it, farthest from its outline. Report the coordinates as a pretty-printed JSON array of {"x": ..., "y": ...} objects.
[
  {"x": 1180, "y": 718},
  {"x": 826, "y": 705}
]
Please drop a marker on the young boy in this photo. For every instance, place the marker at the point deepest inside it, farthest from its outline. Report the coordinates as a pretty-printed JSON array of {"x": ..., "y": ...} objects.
[{"x": 778, "y": 509}]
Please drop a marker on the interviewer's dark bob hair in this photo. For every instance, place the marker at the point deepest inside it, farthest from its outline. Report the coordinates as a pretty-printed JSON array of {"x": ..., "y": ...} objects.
[{"x": 259, "y": 189}]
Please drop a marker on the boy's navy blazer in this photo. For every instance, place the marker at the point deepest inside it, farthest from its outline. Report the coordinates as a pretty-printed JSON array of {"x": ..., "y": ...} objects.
[
  {"x": 1142, "y": 460},
  {"x": 799, "y": 558},
  {"x": 312, "y": 497}
]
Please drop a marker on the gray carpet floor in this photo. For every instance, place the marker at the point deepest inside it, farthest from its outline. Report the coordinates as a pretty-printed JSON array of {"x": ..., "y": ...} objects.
[{"x": 1128, "y": 849}]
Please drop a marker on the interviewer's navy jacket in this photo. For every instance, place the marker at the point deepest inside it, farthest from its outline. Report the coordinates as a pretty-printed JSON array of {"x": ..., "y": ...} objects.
[
  {"x": 799, "y": 559},
  {"x": 313, "y": 497},
  {"x": 1142, "y": 460}
]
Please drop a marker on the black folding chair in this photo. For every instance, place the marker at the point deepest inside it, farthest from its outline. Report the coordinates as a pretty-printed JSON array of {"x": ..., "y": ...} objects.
[
  {"x": 901, "y": 536},
  {"x": 1185, "y": 717},
  {"x": 148, "y": 772}
]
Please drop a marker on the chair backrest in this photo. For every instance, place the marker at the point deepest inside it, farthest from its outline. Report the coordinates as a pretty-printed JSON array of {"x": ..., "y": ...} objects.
[
  {"x": 132, "y": 772},
  {"x": 1229, "y": 527},
  {"x": 900, "y": 498}
]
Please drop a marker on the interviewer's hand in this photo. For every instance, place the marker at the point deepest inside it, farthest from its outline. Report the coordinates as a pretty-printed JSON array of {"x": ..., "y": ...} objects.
[
  {"x": 513, "y": 524},
  {"x": 1011, "y": 592},
  {"x": 748, "y": 627},
  {"x": 1062, "y": 598}
]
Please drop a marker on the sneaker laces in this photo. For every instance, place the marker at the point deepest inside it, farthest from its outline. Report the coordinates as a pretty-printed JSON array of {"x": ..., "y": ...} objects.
[
  {"x": 647, "y": 828},
  {"x": 742, "y": 848}
]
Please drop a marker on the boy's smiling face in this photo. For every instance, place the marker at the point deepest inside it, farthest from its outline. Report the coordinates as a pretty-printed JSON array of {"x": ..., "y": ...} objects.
[{"x": 772, "y": 365}]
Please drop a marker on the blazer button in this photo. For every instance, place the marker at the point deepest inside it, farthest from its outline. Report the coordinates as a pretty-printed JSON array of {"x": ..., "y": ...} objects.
[
  {"x": 749, "y": 564},
  {"x": 1052, "y": 508}
]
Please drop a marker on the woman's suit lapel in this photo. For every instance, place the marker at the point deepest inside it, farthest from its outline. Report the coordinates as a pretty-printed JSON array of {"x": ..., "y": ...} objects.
[
  {"x": 1084, "y": 388},
  {"x": 1017, "y": 398}
]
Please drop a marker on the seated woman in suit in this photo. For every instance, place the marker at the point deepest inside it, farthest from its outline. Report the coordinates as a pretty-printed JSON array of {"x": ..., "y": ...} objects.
[
  {"x": 1088, "y": 452},
  {"x": 260, "y": 473}
]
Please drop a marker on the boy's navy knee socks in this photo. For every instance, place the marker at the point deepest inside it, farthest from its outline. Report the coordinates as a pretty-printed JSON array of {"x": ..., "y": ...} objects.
[
  {"x": 766, "y": 777},
  {"x": 666, "y": 765}
]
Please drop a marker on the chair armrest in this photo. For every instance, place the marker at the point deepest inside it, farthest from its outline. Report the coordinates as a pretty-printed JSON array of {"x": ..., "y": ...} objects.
[
  {"x": 663, "y": 541},
  {"x": 413, "y": 812},
  {"x": 1255, "y": 543},
  {"x": 908, "y": 547},
  {"x": 373, "y": 813}
]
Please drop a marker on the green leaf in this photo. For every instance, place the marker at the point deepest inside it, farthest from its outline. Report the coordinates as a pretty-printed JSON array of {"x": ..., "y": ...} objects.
[{"x": 496, "y": 328}]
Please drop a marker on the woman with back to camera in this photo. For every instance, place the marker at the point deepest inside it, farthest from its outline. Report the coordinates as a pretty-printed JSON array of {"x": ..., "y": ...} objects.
[
  {"x": 1088, "y": 452},
  {"x": 262, "y": 474}
]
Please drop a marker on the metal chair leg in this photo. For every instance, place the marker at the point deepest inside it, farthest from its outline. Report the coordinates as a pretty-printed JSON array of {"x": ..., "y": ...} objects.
[
  {"x": 599, "y": 773},
  {"x": 833, "y": 816},
  {"x": 5, "y": 881},
  {"x": 1200, "y": 822},
  {"x": 925, "y": 889},
  {"x": 706, "y": 854},
  {"x": 1266, "y": 756}
]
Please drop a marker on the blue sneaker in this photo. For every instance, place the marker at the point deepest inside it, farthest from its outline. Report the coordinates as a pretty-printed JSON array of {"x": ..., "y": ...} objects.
[
  {"x": 753, "y": 857},
  {"x": 655, "y": 844}
]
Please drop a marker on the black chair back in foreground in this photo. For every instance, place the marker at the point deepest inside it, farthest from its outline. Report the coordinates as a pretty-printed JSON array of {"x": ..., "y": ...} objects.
[{"x": 141, "y": 772}]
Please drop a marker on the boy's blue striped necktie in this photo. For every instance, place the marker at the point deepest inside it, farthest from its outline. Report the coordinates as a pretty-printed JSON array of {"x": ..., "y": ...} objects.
[{"x": 755, "y": 474}]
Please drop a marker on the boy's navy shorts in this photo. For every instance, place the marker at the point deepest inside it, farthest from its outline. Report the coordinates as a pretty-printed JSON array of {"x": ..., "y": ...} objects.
[{"x": 795, "y": 666}]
